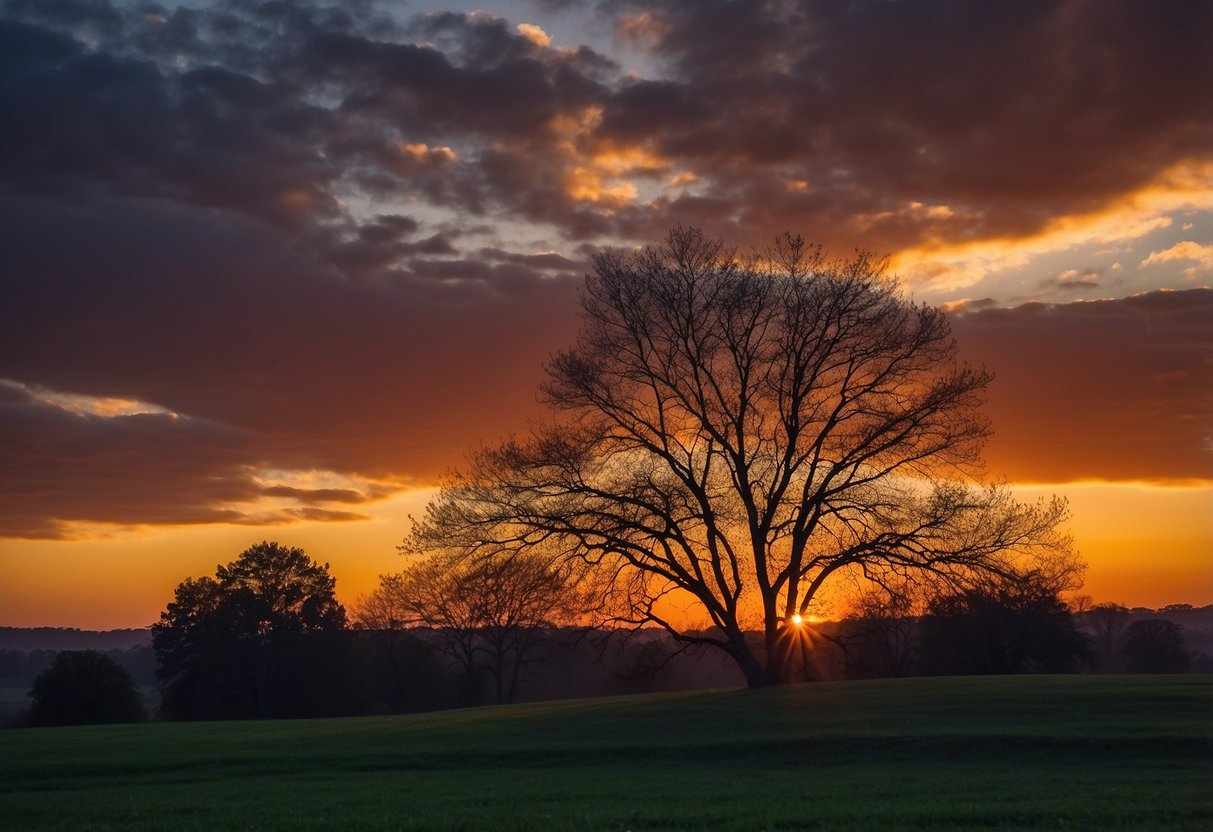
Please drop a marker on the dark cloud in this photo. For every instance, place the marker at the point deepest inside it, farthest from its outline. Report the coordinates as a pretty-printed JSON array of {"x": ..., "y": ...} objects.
[
  {"x": 324, "y": 515},
  {"x": 387, "y": 228},
  {"x": 1014, "y": 112},
  {"x": 491, "y": 81},
  {"x": 93, "y": 19},
  {"x": 558, "y": 5},
  {"x": 145, "y": 468},
  {"x": 548, "y": 260},
  {"x": 272, "y": 359},
  {"x": 327, "y": 495},
  {"x": 1107, "y": 389},
  {"x": 86, "y": 122},
  {"x": 812, "y": 115},
  {"x": 1075, "y": 280}
]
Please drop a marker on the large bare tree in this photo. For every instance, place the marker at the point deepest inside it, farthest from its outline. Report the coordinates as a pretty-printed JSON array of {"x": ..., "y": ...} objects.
[{"x": 742, "y": 430}]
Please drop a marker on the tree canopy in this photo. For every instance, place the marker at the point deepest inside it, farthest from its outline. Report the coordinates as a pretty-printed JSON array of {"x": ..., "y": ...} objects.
[
  {"x": 250, "y": 641},
  {"x": 1155, "y": 645},
  {"x": 744, "y": 429},
  {"x": 84, "y": 687},
  {"x": 1000, "y": 626}
]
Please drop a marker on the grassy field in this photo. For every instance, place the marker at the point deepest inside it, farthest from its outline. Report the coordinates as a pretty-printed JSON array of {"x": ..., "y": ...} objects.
[{"x": 1132, "y": 753}]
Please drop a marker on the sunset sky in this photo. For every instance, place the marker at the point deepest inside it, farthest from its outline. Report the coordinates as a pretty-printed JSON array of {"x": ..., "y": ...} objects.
[{"x": 267, "y": 270}]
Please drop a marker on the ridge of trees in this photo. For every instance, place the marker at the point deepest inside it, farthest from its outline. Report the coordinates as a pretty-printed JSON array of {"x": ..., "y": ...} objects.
[{"x": 393, "y": 666}]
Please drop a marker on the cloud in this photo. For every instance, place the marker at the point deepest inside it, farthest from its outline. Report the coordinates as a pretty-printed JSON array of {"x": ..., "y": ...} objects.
[
  {"x": 74, "y": 461},
  {"x": 1075, "y": 279},
  {"x": 969, "y": 305},
  {"x": 897, "y": 123},
  {"x": 534, "y": 34},
  {"x": 248, "y": 237},
  {"x": 1117, "y": 389},
  {"x": 884, "y": 105},
  {"x": 63, "y": 465},
  {"x": 959, "y": 262},
  {"x": 169, "y": 352},
  {"x": 1186, "y": 250},
  {"x": 326, "y": 495}
]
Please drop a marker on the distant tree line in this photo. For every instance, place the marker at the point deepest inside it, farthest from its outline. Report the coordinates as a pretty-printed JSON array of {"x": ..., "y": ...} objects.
[
  {"x": 26, "y": 639},
  {"x": 1003, "y": 627},
  {"x": 266, "y": 638},
  {"x": 19, "y": 668}
]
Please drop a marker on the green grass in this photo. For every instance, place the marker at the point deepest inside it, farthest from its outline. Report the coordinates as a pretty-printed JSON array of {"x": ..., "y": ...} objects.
[{"x": 1130, "y": 753}]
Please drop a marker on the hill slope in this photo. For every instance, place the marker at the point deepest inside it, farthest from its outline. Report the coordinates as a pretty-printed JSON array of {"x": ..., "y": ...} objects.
[{"x": 1005, "y": 753}]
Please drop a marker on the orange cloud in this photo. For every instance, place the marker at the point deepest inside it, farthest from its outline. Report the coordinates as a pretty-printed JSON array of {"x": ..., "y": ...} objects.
[
  {"x": 945, "y": 264},
  {"x": 599, "y": 170},
  {"x": 534, "y": 34}
]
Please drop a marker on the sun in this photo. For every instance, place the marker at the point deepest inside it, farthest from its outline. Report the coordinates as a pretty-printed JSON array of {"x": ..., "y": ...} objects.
[{"x": 797, "y": 620}]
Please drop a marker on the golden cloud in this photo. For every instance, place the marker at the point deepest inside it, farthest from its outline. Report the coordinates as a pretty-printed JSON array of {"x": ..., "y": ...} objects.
[
  {"x": 1202, "y": 255},
  {"x": 534, "y": 34},
  {"x": 950, "y": 266},
  {"x": 597, "y": 170}
]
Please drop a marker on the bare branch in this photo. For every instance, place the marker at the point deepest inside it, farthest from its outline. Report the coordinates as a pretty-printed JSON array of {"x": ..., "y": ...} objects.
[{"x": 741, "y": 430}]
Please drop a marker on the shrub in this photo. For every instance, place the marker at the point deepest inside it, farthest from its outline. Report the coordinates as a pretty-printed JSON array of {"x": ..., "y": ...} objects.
[{"x": 84, "y": 687}]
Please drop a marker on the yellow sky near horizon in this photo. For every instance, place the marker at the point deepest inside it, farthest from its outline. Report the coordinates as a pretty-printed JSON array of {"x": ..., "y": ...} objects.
[{"x": 1146, "y": 545}]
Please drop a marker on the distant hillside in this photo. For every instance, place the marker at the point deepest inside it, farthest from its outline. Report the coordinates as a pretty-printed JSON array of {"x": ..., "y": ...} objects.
[
  {"x": 1185, "y": 615},
  {"x": 69, "y": 638}
]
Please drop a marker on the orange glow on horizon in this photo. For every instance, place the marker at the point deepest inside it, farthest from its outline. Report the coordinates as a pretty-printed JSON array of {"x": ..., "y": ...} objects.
[
  {"x": 126, "y": 579},
  {"x": 1146, "y": 545}
]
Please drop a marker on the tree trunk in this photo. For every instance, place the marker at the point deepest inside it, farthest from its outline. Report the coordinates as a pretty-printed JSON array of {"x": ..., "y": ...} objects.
[{"x": 757, "y": 675}]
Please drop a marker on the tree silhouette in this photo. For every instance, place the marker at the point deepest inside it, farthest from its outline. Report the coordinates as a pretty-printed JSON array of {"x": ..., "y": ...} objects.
[
  {"x": 1001, "y": 626},
  {"x": 741, "y": 430},
  {"x": 1155, "y": 645},
  {"x": 488, "y": 613},
  {"x": 879, "y": 635},
  {"x": 1107, "y": 623},
  {"x": 404, "y": 667},
  {"x": 255, "y": 641},
  {"x": 84, "y": 687}
]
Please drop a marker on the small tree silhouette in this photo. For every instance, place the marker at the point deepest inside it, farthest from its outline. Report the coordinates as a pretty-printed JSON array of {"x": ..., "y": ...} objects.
[
  {"x": 84, "y": 687},
  {"x": 1107, "y": 623},
  {"x": 1155, "y": 645},
  {"x": 1010, "y": 625},
  {"x": 489, "y": 614}
]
